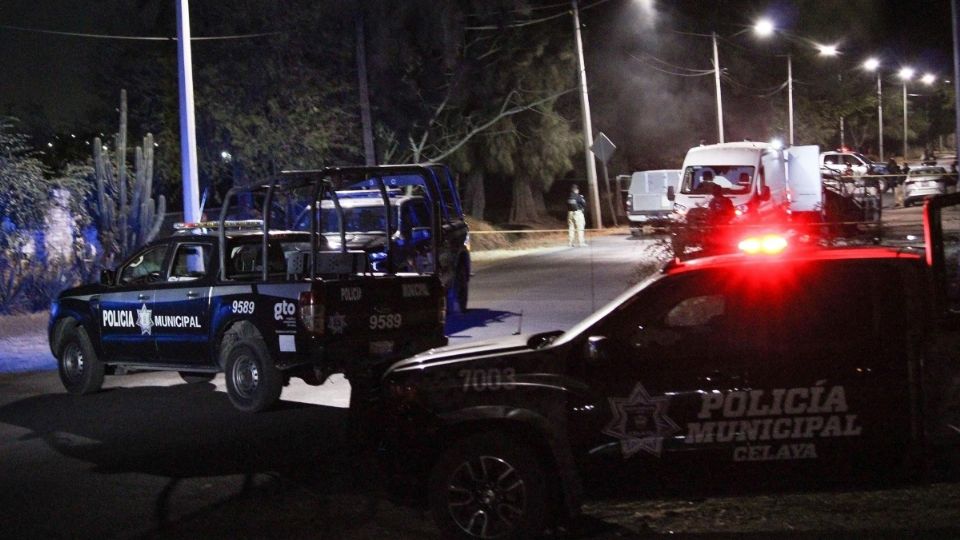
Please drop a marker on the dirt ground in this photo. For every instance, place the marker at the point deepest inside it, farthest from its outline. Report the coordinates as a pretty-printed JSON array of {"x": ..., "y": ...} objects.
[{"x": 931, "y": 510}]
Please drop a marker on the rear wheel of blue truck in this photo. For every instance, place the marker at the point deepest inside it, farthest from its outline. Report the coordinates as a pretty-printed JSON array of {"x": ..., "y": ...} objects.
[{"x": 253, "y": 381}]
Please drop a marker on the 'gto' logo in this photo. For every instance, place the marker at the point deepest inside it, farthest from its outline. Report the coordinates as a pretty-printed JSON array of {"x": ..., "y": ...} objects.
[{"x": 283, "y": 308}]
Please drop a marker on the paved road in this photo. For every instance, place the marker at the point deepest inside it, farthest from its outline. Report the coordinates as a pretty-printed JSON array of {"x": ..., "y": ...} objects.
[{"x": 153, "y": 457}]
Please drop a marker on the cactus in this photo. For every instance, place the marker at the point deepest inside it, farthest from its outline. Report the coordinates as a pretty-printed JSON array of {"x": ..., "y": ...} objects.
[{"x": 126, "y": 215}]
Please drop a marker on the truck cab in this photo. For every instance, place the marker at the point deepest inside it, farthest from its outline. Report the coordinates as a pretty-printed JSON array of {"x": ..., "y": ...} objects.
[{"x": 769, "y": 369}]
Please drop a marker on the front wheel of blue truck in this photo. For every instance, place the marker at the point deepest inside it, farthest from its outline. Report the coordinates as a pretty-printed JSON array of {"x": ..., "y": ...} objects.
[{"x": 253, "y": 381}]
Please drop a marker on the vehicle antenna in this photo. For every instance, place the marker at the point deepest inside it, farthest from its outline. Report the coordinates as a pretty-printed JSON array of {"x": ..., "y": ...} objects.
[{"x": 519, "y": 324}]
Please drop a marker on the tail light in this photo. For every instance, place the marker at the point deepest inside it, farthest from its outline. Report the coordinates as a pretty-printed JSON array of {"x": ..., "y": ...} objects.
[
  {"x": 443, "y": 310},
  {"x": 311, "y": 312}
]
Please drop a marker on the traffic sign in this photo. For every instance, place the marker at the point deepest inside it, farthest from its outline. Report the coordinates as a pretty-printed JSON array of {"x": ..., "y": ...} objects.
[{"x": 603, "y": 147}]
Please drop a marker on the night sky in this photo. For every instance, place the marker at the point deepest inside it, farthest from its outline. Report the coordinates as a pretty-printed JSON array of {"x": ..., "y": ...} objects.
[{"x": 54, "y": 75}]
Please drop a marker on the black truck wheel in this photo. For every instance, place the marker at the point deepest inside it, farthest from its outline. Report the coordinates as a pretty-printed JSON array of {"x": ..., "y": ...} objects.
[
  {"x": 81, "y": 372},
  {"x": 489, "y": 486},
  {"x": 193, "y": 377},
  {"x": 253, "y": 381}
]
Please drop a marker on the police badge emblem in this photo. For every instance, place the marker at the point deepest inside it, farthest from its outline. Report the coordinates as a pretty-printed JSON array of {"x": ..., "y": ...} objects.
[{"x": 640, "y": 422}]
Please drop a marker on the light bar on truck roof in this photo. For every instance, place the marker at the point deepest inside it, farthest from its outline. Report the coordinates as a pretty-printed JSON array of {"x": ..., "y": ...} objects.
[
  {"x": 227, "y": 224},
  {"x": 768, "y": 244}
]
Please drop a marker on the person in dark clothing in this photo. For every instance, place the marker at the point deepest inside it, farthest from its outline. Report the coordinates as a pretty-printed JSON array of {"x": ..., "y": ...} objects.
[
  {"x": 720, "y": 207},
  {"x": 576, "y": 222}
]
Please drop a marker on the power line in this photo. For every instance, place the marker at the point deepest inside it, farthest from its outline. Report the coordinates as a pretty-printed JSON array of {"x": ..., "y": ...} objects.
[
  {"x": 520, "y": 10},
  {"x": 134, "y": 38},
  {"x": 692, "y": 72},
  {"x": 532, "y": 22}
]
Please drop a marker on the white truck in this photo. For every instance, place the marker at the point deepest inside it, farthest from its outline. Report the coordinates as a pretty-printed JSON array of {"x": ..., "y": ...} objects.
[
  {"x": 764, "y": 182},
  {"x": 647, "y": 203}
]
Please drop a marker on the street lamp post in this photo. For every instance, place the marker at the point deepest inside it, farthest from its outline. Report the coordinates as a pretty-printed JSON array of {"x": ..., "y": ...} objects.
[
  {"x": 587, "y": 125},
  {"x": 766, "y": 28},
  {"x": 872, "y": 64},
  {"x": 188, "y": 136},
  {"x": 905, "y": 75}
]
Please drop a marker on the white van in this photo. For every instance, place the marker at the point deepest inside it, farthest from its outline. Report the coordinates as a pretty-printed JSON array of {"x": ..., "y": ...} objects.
[
  {"x": 760, "y": 179},
  {"x": 647, "y": 202}
]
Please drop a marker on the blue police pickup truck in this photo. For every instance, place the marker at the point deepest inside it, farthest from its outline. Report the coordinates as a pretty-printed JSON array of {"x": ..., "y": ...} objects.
[
  {"x": 770, "y": 369},
  {"x": 255, "y": 295}
]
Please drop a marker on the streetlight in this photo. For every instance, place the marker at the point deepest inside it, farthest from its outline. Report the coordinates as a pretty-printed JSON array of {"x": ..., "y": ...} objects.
[
  {"x": 831, "y": 50},
  {"x": 872, "y": 64},
  {"x": 906, "y": 73},
  {"x": 765, "y": 28}
]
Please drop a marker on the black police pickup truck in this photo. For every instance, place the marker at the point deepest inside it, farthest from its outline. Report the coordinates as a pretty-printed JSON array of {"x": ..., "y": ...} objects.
[
  {"x": 200, "y": 303},
  {"x": 752, "y": 370}
]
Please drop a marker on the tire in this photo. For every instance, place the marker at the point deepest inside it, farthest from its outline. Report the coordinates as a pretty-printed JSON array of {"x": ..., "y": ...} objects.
[
  {"x": 81, "y": 372},
  {"x": 253, "y": 381},
  {"x": 193, "y": 377},
  {"x": 489, "y": 485}
]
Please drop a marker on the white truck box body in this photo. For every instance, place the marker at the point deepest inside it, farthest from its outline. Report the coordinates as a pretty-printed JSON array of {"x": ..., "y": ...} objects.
[{"x": 648, "y": 194}]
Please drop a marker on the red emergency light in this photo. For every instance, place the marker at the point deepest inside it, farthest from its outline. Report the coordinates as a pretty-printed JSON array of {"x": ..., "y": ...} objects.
[{"x": 768, "y": 244}]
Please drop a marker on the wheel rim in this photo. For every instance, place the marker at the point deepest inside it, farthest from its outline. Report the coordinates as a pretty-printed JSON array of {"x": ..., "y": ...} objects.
[
  {"x": 245, "y": 376},
  {"x": 486, "y": 497},
  {"x": 73, "y": 362}
]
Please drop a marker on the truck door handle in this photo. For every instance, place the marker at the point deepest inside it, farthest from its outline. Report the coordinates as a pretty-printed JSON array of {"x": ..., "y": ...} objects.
[
  {"x": 143, "y": 297},
  {"x": 192, "y": 294}
]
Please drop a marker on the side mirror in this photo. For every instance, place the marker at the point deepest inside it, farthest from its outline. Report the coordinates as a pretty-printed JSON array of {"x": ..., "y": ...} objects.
[
  {"x": 107, "y": 276},
  {"x": 596, "y": 348},
  {"x": 671, "y": 193},
  {"x": 765, "y": 193}
]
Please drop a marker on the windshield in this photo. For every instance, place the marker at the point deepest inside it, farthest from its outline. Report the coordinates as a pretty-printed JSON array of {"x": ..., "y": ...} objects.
[
  {"x": 734, "y": 179},
  {"x": 356, "y": 220}
]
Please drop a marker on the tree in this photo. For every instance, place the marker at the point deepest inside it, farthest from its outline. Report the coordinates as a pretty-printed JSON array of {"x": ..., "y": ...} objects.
[
  {"x": 485, "y": 95},
  {"x": 25, "y": 193}
]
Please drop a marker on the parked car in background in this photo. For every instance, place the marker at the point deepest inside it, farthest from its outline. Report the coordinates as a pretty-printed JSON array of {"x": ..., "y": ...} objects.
[
  {"x": 833, "y": 164},
  {"x": 924, "y": 181}
]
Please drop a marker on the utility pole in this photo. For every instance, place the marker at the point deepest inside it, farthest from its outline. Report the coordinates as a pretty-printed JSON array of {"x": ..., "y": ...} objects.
[
  {"x": 188, "y": 132},
  {"x": 587, "y": 125},
  {"x": 716, "y": 77},
  {"x": 880, "y": 114},
  {"x": 904, "y": 121}
]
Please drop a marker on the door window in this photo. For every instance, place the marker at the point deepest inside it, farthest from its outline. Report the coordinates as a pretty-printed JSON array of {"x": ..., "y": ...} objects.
[
  {"x": 144, "y": 267},
  {"x": 190, "y": 262}
]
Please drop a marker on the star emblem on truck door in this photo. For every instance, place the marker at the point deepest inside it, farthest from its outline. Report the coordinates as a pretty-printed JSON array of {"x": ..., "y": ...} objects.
[
  {"x": 145, "y": 320},
  {"x": 640, "y": 422}
]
